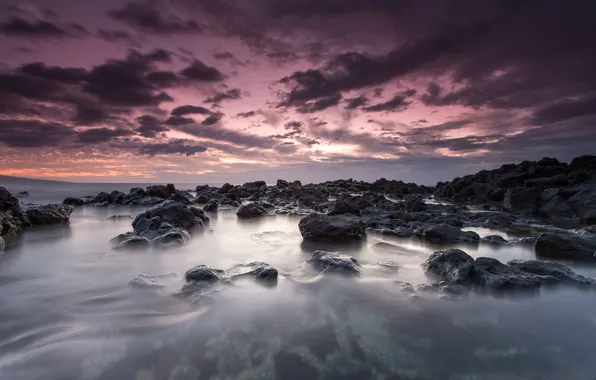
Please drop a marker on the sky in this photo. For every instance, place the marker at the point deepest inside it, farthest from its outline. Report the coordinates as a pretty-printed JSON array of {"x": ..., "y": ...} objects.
[{"x": 198, "y": 91}]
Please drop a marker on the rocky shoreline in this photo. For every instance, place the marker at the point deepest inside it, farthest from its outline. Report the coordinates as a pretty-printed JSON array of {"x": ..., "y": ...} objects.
[{"x": 513, "y": 197}]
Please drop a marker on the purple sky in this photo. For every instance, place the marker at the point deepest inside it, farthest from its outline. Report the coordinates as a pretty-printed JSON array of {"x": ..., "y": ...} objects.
[{"x": 232, "y": 90}]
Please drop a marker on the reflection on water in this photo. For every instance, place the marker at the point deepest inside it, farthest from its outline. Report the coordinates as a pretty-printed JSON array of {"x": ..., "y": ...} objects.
[{"x": 67, "y": 312}]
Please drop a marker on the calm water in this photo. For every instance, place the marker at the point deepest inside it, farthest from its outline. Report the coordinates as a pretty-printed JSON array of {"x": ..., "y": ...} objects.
[{"x": 67, "y": 312}]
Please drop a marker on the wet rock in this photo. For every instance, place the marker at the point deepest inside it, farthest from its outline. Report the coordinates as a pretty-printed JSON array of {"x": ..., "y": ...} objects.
[
  {"x": 145, "y": 281},
  {"x": 453, "y": 289},
  {"x": 116, "y": 197},
  {"x": 101, "y": 198},
  {"x": 257, "y": 270},
  {"x": 181, "y": 198},
  {"x": 226, "y": 188},
  {"x": 561, "y": 272},
  {"x": 402, "y": 232},
  {"x": 453, "y": 265},
  {"x": 565, "y": 247},
  {"x": 389, "y": 265},
  {"x": 174, "y": 237},
  {"x": 521, "y": 200},
  {"x": 443, "y": 234},
  {"x": 204, "y": 273},
  {"x": 494, "y": 239},
  {"x": 557, "y": 208},
  {"x": 49, "y": 214},
  {"x": 281, "y": 184},
  {"x": 493, "y": 276},
  {"x": 402, "y": 287},
  {"x": 414, "y": 203},
  {"x": 332, "y": 228},
  {"x": 178, "y": 215},
  {"x": 132, "y": 242},
  {"x": 159, "y": 191},
  {"x": 347, "y": 204},
  {"x": 584, "y": 204},
  {"x": 72, "y": 201},
  {"x": 251, "y": 210},
  {"x": 119, "y": 217},
  {"x": 211, "y": 206},
  {"x": 147, "y": 201},
  {"x": 334, "y": 262},
  {"x": 135, "y": 194}
]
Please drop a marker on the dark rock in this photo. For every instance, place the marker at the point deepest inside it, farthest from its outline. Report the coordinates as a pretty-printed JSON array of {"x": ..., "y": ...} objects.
[
  {"x": 2, "y": 242},
  {"x": 546, "y": 268},
  {"x": 133, "y": 243},
  {"x": 181, "y": 198},
  {"x": 558, "y": 180},
  {"x": 334, "y": 262},
  {"x": 22, "y": 194},
  {"x": 226, "y": 188},
  {"x": 101, "y": 198},
  {"x": 159, "y": 191},
  {"x": 584, "y": 204},
  {"x": 211, "y": 206},
  {"x": 204, "y": 273},
  {"x": 281, "y": 184},
  {"x": 494, "y": 239},
  {"x": 347, "y": 204},
  {"x": 259, "y": 271},
  {"x": 147, "y": 201},
  {"x": 49, "y": 214},
  {"x": 174, "y": 237},
  {"x": 332, "y": 228},
  {"x": 116, "y": 197},
  {"x": 415, "y": 203},
  {"x": 119, "y": 217},
  {"x": 557, "y": 208},
  {"x": 453, "y": 265},
  {"x": 73, "y": 201},
  {"x": 521, "y": 200},
  {"x": 493, "y": 276},
  {"x": 176, "y": 214},
  {"x": 565, "y": 247},
  {"x": 251, "y": 210},
  {"x": 135, "y": 194},
  {"x": 443, "y": 234},
  {"x": 583, "y": 163}
]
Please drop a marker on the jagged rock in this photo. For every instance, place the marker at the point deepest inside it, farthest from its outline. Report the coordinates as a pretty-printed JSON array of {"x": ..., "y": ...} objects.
[
  {"x": 557, "y": 208},
  {"x": 132, "y": 242},
  {"x": 565, "y": 247},
  {"x": 257, "y": 270},
  {"x": 493, "y": 276},
  {"x": 176, "y": 214},
  {"x": 584, "y": 204},
  {"x": 101, "y": 198},
  {"x": 49, "y": 214},
  {"x": 159, "y": 191},
  {"x": 494, "y": 239},
  {"x": 174, "y": 237},
  {"x": 453, "y": 265},
  {"x": 281, "y": 184},
  {"x": 402, "y": 232},
  {"x": 147, "y": 201},
  {"x": 443, "y": 234},
  {"x": 146, "y": 281},
  {"x": 211, "y": 206},
  {"x": 72, "y": 201},
  {"x": 414, "y": 203},
  {"x": 332, "y": 228},
  {"x": 348, "y": 204},
  {"x": 546, "y": 268},
  {"x": 521, "y": 200},
  {"x": 226, "y": 188},
  {"x": 204, "y": 273},
  {"x": 251, "y": 210},
  {"x": 116, "y": 197},
  {"x": 181, "y": 198},
  {"x": 334, "y": 262},
  {"x": 135, "y": 194}
]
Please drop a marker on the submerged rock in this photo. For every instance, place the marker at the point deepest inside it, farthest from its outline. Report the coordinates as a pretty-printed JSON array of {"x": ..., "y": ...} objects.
[
  {"x": 146, "y": 281},
  {"x": 332, "y": 228},
  {"x": 334, "y": 262},
  {"x": 444, "y": 234},
  {"x": 49, "y": 214},
  {"x": 211, "y": 206},
  {"x": 251, "y": 210},
  {"x": 132, "y": 242},
  {"x": 565, "y": 247},
  {"x": 176, "y": 214},
  {"x": 493, "y": 276},
  {"x": 258, "y": 270},
  {"x": 174, "y": 237},
  {"x": 453, "y": 265},
  {"x": 73, "y": 201},
  {"x": 546, "y": 268},
  {"x": 494, "y": 239},
  {"x": 204, "y": 273}
]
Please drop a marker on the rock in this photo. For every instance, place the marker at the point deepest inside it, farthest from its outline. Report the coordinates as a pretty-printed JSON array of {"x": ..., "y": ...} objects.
[
  {"x": 557, "y": 208},
  {"x": 347, "y": 204},
  {"x": 178, "y": 215},
  {"x": 116, "y": 197},
  {"x": 559, "y": 180},
  {"x": 443, "y": 234},
  {"x": 181, "y": 198},
  {"x": 132, "y": 243},
  {"x": 49, "y": 214},
  {"x": 259, "y": 271},
  {"x": 414, "y": 203},
  {"x": 453, "y": 289},
  {"x": 453, "y": 265},
  {"x": 211, "y": 206},
  {"x": 72, "y": 201},
  {"x": 119, "y": 217},
  {"x": 493, "y": 276},
  {"x": 494, "y": 239},
  {"x": 226, "y": 188},
  {"x": 402, "y": 232},
  {"x": 135, "y": 194},
  {"x": 546, "y": 268},
  {"x": 101, "y": 198},
  {"x": 584, "y": 204},
  {"x": 147, "y": 201},
  {"x": 403, "y": 287},
  {"x": 174, "y": 237},
  {"x": 334, "y": 262},
  {"x": 565, "y": 247},
  {"x": 332, "y": 228},
  {"x": 159, "y": 191},
  {"x": 145, "y": 281},
  {"x": 281, "y": 184},
  {"x": 521, "y": 200},
  {"x": 251, "y": 210},
  {"x": 204, "y": 273},
  {"x": 22, "y": 194},
  {"x": 2, "y": 242}
]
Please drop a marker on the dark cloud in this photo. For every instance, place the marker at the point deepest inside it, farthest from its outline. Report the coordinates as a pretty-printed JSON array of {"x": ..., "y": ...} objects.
[
  {"x": 320, "y": 104},
  {"x": 29, "y": 86},
  {"x": 231, "y": 94},
  {"x": 19, "y": 27},
  {"x": 54, "y": 73},
  {"x": 90, "y": 113},
  {"x": 189, "y": 110},
  {"x": 149, "y": 18},
  {"x": 101, "y": 135},
  {"x": 34, "y": 133},
  {"x": 198, "y": 71},
  {"x": 356, "y": 102},
  {"x": 224, "y": 135},
  {"x": 247, "y": 114},
  {"x": 150, "y": 126},
  {"x": 179, "y": 146},
  {"x": 397, "y": 103},
  {"x": 294, "y": 128},
  {"x": 229, "y": 57},
  {"x": 159, "y": 55},
  {"x": 115, "y": 36},
  {"x": 163, "y": 79},
  {"x": 178, "y": 120},
  {"x": 212, "y": 119},
  {"x": 565, "y": 109}
]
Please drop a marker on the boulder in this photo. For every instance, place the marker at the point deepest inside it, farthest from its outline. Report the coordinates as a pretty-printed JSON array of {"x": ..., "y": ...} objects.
[
  {"x": 116, "y": 197},
  {"x": 178, "y": 215},
  {"x": 334, "y": 262},
  {"x": 281, "y": 184},
  {"x": 348, "y": 204},
  {"x": 557, "y": 209},
  {"x": 332, "y": 228},
  {"x": 147, "y": 201},
  {"x": 493, "y": 276},
  {"x": 135, "y": 194},
  {"x": 414, "y": 203},
  {"x": 101, "y": 198},
  {"x": 521, "y": 200},
  {"x": 565, "y": 247},
  {"x": 211, "y": 206},
  {"x": 204, "y": 273},
  {"x": 146, "y": 282},
  {"x": 494, "y": 239},
  {"x": 251, "y": 210},
  {"x": 49, "y": 214},
  {"x": 72, "y": 201},
  {"x": 584, "y": 204},
  {"x": 226, "y": 188},
  {"x": 443, "y": 234},
  {"x": 546, "y": 268},
  {"x": 132, "y": 242},
  {"x": 181, "y": 198},
  {"x": 453, "y": 265},
  {"x": 159, "y": 191},
  {"x": 174, "y": 237},
  {"x": 258, "y": 270}
]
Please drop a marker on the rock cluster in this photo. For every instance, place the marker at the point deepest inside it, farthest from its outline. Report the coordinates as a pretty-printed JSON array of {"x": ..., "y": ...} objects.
[
  {"x": 561, "y": 192},
  {"x": 137, "y": 196}
]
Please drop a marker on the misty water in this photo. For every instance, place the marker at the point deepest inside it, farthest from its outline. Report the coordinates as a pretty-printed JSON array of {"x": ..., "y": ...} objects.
[{"x": 67, "y": 311}]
